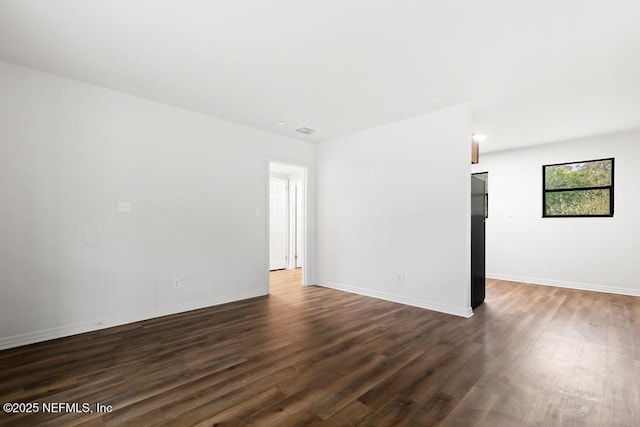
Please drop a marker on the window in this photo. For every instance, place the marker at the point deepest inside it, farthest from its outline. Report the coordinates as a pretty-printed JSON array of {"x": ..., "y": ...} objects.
[
  {"x": 485, "y": 177},
  {"x": 578, "y": 189}
]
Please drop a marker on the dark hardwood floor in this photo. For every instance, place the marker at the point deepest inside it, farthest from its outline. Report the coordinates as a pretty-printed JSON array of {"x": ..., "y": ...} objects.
[{"x": 530, "y": 356}]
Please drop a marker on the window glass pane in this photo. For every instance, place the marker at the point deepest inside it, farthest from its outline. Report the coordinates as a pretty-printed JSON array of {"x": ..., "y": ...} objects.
[
  {"x": 485, "y": 177},
  {"x": 578, "y": 202},
  {"x": 577, "y": 175}
]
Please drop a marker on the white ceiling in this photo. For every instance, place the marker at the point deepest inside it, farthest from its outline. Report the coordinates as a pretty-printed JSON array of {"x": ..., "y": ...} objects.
[{"x": 533, "y": 71}]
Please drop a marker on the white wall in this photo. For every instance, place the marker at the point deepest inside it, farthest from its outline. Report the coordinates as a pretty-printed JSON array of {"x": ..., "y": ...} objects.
[
  {"x": 397, "y": 199},
  {"x": 69, "y": 152},
  {"x": 586, "y": 253}
]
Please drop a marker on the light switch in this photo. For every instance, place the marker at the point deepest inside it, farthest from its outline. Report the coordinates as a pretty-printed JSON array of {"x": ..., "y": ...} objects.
[{"x": 124, "y": 207}]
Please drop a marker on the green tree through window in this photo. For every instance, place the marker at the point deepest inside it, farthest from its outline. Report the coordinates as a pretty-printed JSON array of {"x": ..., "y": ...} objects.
[{"x": 578, "y": 189}]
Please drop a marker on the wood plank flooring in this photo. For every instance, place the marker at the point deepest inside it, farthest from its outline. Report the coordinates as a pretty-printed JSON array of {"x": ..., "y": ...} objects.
[{"x": 530, "y": 356}]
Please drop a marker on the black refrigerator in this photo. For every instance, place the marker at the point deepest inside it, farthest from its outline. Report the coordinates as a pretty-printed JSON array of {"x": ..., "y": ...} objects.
[{"x": 477, "y": 241}]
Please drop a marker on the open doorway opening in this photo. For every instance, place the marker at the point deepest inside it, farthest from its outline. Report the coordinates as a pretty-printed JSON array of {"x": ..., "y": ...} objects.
[{"x": 287, "y": 225}]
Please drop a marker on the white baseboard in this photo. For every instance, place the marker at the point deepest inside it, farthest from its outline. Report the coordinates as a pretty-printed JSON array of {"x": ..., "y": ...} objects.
[
  {"x": 564, "y": 284},
  {"x": 468, "y": 312},
  {"x": 79, "y": 328}
]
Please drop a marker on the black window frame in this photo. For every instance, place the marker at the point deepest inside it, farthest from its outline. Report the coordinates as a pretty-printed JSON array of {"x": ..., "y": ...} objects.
[
  {"x": 601, "y": 187},
  {"x": 486, "y": 192}
]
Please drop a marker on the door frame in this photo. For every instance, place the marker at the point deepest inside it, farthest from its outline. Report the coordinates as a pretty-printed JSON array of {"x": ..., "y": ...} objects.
[
  {"x": 299, "y": 229},
  {"x": 308, "y": 266}
]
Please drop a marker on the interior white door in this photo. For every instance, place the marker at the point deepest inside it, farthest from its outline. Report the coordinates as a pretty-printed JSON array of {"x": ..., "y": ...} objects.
[{"x": 278, "y": 222}]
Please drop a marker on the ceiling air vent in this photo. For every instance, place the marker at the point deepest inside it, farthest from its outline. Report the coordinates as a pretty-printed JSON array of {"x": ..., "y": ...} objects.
[{"x": 305, "y": 130}]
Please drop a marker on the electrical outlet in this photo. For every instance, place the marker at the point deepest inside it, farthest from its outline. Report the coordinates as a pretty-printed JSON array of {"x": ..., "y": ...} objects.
[
  {"x": 400, "y": 277},
  {"x": 124, "y": 207},
  {"x": 177, "y": 283}
]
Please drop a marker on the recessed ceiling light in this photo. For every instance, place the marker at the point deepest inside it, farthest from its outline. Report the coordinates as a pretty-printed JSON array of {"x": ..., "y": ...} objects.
[
  {"x": 478, "y": 137},
  {"x": 280, "y": 123},
  {"x": 306, "y": 130}
]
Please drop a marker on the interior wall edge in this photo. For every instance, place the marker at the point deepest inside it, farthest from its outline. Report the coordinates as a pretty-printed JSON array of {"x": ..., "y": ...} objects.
[
  {"x": 565, "y": 284},
  {"x": 113, "y": 321},
  {"x": 428, "y": 305}
]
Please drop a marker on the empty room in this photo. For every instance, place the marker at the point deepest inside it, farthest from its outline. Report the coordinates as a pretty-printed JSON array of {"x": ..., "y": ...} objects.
[{"x": 287, "y": 213}]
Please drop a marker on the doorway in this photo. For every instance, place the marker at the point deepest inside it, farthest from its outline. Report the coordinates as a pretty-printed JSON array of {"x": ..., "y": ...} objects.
[{"x": 287, "y": 223}]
